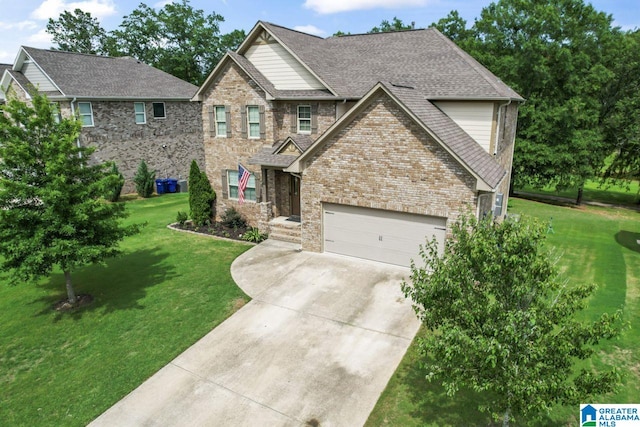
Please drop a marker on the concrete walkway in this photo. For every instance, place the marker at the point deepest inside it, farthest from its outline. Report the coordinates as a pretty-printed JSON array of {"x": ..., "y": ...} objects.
[{"x": 316, "y": 346}]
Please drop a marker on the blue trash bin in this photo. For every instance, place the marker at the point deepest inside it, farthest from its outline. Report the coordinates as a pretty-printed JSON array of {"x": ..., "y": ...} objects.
[
  {"x": 161, "y": 186},
  {"x": 172, "y": 185}
]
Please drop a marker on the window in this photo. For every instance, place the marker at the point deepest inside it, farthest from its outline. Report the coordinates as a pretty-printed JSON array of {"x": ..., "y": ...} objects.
[
  {"x": 158, "y": 110},
  {"x": 85, "y": 112},
  {"x": 253, "y": 121},
  {"x": 304, "y": 119},
  {"x": 141, "y": 114},
  {"x": 55, "y": 112},
  {"x": 221, "y": 121},
  {"x": 249, "y": 192}
]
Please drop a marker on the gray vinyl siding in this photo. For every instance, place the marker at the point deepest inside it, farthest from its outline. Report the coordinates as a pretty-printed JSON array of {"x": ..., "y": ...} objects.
[
  {"x": 37, "y": 77},
  {"x": 475, "y": 118},
  {"x": 281, "y": 68}
]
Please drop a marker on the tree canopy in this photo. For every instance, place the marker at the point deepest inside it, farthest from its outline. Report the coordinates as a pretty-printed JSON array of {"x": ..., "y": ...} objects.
[
  {"x": 563, "y": 58},
  {"x": 501, "y": 321},
  {"x": 52, "y": 210},
  {"x": 177, "y": 38}
]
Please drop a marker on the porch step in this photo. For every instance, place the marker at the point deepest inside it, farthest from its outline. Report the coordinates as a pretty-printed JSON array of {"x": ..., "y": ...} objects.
[{"x": 284, "y": 230}]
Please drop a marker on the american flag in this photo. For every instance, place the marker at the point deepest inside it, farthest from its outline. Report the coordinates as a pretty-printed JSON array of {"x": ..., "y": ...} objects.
[{"x": 243, "y": 180}]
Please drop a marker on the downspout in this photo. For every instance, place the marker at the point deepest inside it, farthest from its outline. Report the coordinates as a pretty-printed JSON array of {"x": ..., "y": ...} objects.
[
  {"x": 495, "y": 144},
  {"x": 73, "y": 113}
]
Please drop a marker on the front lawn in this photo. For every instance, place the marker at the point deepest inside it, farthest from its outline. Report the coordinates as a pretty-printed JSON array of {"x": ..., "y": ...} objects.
[
  {"x": 168, "y": 290},
  {"x": 598, "y": 245},
  {"x": 594, "y": 191}
]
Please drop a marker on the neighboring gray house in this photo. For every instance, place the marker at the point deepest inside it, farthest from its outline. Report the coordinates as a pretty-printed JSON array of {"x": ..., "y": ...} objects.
[
  {"x": 372, "y": 142},
  {"x": 130, "y": 111}
]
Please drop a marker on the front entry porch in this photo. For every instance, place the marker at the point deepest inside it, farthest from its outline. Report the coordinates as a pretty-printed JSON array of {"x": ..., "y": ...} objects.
[{"x": 286, "y": 229}]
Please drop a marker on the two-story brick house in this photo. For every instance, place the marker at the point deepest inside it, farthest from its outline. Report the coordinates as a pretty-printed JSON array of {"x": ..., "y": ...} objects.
[
  {"x": 372, "y": 142},
  {"x": 129, "y": 110}
]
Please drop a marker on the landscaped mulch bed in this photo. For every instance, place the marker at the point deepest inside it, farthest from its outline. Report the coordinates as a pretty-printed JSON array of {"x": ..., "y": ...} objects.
[{"x": 217, "y": 229}]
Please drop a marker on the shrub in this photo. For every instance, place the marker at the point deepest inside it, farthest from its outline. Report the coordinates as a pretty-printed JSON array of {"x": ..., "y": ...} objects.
[
  {"x": 233, "y": 219},
  {"x": 254, "y": 235},
  {"x": 114, "y": 187},
  {"x": 144, "y": 180},
  {"x": 181, "y": 217},
  {"x": 201, "y": 197}
]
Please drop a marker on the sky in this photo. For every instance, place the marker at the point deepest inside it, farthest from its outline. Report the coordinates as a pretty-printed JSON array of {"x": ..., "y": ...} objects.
[{"x": 23, "y": 22}]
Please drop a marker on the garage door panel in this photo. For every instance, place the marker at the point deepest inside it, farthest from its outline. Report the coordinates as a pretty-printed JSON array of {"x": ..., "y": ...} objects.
[{"x": 386, "y": 236}]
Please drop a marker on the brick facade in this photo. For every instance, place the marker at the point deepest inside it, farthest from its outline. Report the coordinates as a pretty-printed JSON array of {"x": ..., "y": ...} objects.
[
  {"x": 383, "y": 160},
  {"x": 232, "y": 88},
  {"x": 116, "y": 136},
  {"x": 167, "y": 145}
]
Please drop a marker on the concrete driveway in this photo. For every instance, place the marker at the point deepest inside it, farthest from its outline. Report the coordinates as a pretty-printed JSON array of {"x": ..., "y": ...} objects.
[{"x": 316, "y": 346}]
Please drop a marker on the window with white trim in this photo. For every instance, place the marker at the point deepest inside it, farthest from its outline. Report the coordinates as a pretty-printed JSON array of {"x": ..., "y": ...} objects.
[
  {"x": 85, "y": 112},
  {"x": 221, "y": 121},
  {"x": 140, "y": 112},
  {"x": 253, "y": 121},
  {"x": 232, "y": 183},
  {"x": 55, "y": 112},
  {"x": 159, "y": 110},
  {"x": 304, "y": 118}
]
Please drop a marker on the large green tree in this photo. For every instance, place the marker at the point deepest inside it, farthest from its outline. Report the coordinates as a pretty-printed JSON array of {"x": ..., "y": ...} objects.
[
  {"x": 395, "y": 25},
  {"x": 501, "y": 321},
  {"x": 621, "y": 104},
  {"x": 52, "y": 210},
  {"x": 558, "y": 56},
  {"x": 77, "y": 31},
  {"x": 177, "y": 38}
]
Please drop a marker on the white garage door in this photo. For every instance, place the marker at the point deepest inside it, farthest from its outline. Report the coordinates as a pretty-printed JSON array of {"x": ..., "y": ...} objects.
[{"x": 379, "y": 235}]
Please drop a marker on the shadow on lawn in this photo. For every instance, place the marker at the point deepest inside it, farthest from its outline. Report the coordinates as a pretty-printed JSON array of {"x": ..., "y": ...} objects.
[
  {"x": 434, "y": 407},
  {"x": 629, "y": 240},
  {"x": 120, "y": 285}
]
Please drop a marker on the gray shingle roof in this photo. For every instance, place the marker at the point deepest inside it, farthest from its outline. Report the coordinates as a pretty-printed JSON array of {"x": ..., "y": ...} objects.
[
  {"x": 268, "y": 156},
  {"x": 425, "y": 59},
  {"x": 457, "y": 140},
  {"x": 92, "y": 76}
]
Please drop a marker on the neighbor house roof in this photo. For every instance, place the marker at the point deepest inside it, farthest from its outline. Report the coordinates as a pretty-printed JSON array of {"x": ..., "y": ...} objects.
[
  {"x": 425, "y": 59},
  {"x": 91, "y": 76}
]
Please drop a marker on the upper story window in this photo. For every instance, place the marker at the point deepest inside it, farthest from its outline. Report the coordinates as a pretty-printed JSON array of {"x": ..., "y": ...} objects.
[
  {"x": 140, "y": 112},
  {"x": 221, "y": 121},
  {"x": 253, "y": 121},
  {"x": 304, "y": 119},
  {"x": 55, "y": 112},
  {"x": 159, "y": 111},
  {"x": 85, "y": 112}
]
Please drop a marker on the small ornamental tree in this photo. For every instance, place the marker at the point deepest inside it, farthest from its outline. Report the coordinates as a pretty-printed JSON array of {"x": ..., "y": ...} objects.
[
  {"x": 144, "y": 180},
  {"x": 113, "y": 193},
  {"x": 201, "y": 196},
  {"x": 501, "y": 322},
  {"x": 52, "y": 211}
]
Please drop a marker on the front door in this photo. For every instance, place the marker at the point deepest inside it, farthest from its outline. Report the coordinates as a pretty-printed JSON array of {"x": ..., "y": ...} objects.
[{"x": 295, "y": 195}]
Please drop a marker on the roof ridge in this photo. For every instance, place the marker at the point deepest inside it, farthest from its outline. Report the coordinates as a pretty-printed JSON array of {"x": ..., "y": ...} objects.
[
  {"x": 291, "y": 29},
  {"x": 73, "y": 53},
  {"x": 473, "y": 63},
  {"x": 381, "y": 33}
]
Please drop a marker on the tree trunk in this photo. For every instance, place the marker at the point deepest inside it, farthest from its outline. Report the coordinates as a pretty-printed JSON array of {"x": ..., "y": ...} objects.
[
  {"x": 505, "y": 420},
  {"x": 579, "y": 199},
  {"x": 71, "y": 295}
]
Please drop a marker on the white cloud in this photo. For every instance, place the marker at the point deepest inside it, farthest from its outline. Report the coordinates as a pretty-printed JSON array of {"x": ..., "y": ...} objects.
[
  {"x": 310, "y": 29},
  {"x": 40, "y": 39},
  {"x": 335, "y": 6},
  {"x": 53, "y": 8},
  {"x": 20, "y": 26},
  {"x": 161, "y": 4},
  {"x": 7, "y": 57}
]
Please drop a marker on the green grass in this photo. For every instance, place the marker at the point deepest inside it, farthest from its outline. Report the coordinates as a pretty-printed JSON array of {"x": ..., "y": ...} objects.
[
  {"x": 598, "y": 245},
  {"x": 619, "y": 194},
  {"x": 168, "y": 290}
]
